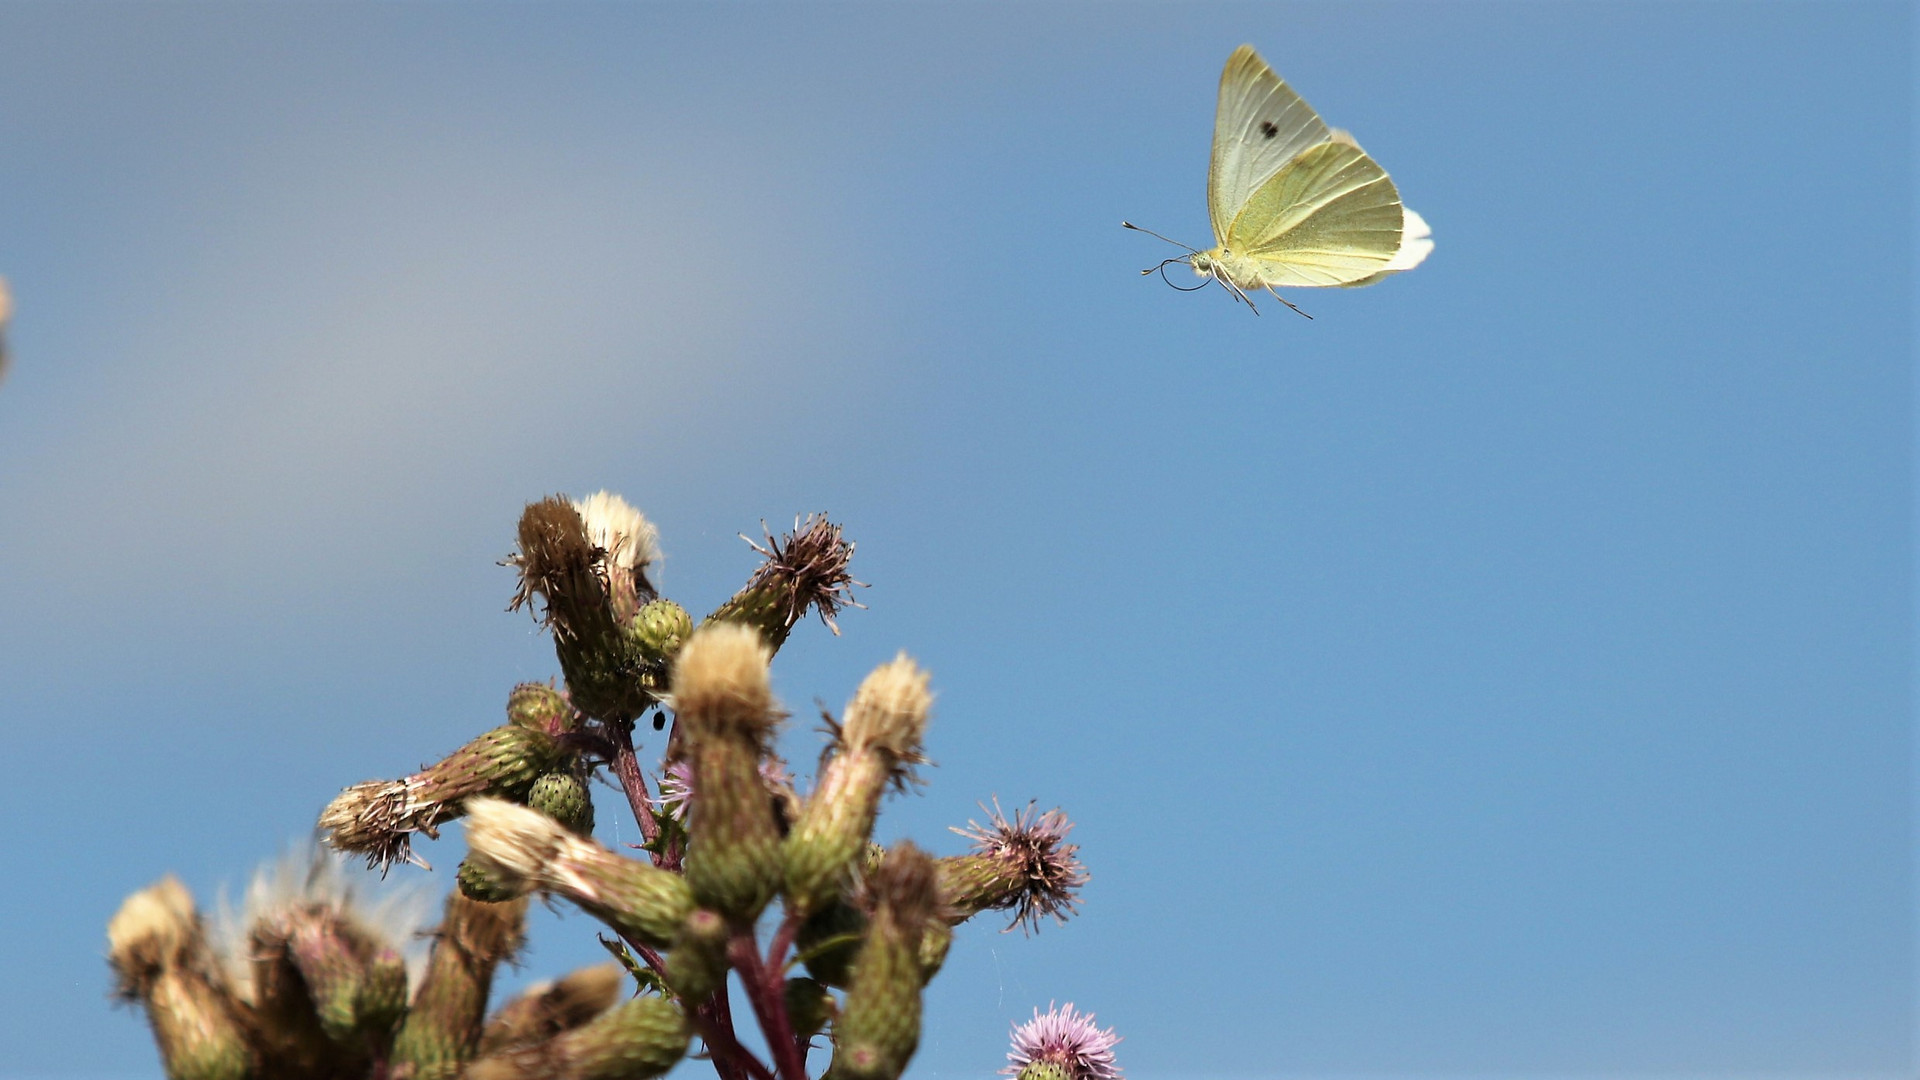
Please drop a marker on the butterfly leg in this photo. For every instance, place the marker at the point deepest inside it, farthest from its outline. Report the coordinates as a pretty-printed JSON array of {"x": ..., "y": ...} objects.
[
  {"x": 1289, "y": 303},
  {"x": 1238, "y": 293}
]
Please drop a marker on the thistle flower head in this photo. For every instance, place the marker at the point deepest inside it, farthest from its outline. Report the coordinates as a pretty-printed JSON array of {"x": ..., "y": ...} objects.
[
  {"x": 622, "y": 534},
  {"x": 554, "y": 558},
  {"x": 1063, "y": 1041},
  {"x": 809, "y": 567},
  {"x": 514, "y": 844},
  {"x": 676, "y": 785},
  {"x": 889, "y": 713},
  {"x": 676, "y": 790},
  {"x": 906, "y": 883},
  {"x": 1033, "y": 847},
  {"x": 155, "y": 928},
  {"x": 376, "y": 817},
  {"x": 307, "y": 882},
  {"x": 720, "y": 683}
]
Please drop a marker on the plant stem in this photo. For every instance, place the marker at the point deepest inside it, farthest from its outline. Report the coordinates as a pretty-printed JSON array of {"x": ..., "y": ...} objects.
[
  {"x": 782, "y": 941},
  {"x": 766, "y": 991},
  {"x": 627, "y": 767},
  {"x": 714, "y": 1021}
]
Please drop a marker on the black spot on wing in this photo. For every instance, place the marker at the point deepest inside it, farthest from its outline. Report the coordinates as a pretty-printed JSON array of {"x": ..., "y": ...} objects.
[{"x": 1269, "y": 129}]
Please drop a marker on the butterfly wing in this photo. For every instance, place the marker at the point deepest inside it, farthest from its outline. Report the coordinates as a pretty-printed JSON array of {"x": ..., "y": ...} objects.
[
  {"x": 1416, "y": 243},
  {"x": 1330, "y": 216},
  {"x": 1260, "y": 126}
]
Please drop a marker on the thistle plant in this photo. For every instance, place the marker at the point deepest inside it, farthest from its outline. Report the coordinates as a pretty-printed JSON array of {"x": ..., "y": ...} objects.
[{"x": 745, "y": 882}]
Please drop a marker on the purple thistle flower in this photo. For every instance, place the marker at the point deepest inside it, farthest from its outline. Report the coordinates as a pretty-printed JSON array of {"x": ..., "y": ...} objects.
[
  {"x": 676, "y": 785},
  {"x": 676, "y": 790},
  {"x": 1035, "y": 846},
  {"x": 1068, "y": 1041}
]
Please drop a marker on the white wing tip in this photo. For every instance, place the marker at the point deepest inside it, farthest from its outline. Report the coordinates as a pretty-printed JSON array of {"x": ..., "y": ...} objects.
[{"x": 1416, "y": 243}]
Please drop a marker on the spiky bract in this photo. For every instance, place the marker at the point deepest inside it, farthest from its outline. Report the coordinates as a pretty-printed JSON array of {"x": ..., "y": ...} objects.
[{"x": 1024, "y": 864}]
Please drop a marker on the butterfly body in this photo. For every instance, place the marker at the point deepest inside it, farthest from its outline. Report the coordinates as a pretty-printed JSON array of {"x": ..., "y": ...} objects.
[{"x": 1294, "y": 203}]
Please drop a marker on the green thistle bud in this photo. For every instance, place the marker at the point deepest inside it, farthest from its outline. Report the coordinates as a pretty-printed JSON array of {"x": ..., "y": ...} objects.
[
  {"x": 661, "y": 628},
  {"x": 547, "y": 1009},
  {"x": 726, "y": 712},
  {"x": 378, "y": 818},
  {"x": 540, "y": 707},
  {"x": 525, "y": 850},
  {"x": 477, "y": 883},
  {"x": 877, "y": 746},
  {"x": 935, "y": 941},
  {"x": 607, "y": 675},
  {"x": 159, "y": 953},
  {"x": 333, "y": 964},
  {"x": 440, "y": 1030},
  {"x": 829, "y": 940},
  {"x": 564, "y": 798},
  {"x": 809, "y": 1007},
  {"x": 879, "y": 1024},
  {"x": 697, "y": 966},
  {"x": 383, "y": 996},
  {"x": 636, "y": 1041},
  {"x": 285, "y": 1025}
]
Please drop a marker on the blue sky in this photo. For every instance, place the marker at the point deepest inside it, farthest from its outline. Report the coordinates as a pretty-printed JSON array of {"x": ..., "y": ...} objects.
[{"x": 1508, "y": 672}]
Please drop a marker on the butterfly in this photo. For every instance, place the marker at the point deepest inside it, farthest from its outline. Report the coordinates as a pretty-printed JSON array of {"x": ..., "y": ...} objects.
[{"x": 1294, "y": 203}]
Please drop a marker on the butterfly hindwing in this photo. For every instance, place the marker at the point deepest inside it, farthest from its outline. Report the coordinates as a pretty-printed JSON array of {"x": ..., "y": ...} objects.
[{"x": 1330, "y": 216}]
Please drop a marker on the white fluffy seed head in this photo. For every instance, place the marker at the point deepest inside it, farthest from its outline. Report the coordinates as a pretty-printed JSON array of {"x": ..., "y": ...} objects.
[
  {"x": 153, "y": 927},
  {"x": 515, "y": 844},
  {"x": 890, "y": 710},
  {"x": 720, "y": 681},
  {"x": 615, "y": 527}
]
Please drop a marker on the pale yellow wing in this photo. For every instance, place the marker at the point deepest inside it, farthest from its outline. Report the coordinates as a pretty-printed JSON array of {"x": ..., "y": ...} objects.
[
  {"x": 1259, "y": 126},
  {"x": 1416, "y": 243},
  {"x": 1330, "y": 216}
]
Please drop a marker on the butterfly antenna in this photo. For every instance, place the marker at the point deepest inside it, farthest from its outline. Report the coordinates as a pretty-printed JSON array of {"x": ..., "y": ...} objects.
[
  {"x": 1150, "y": 232},
  {"x": 1287, "y": 302},
  {"x": 1162, "y": 268}
]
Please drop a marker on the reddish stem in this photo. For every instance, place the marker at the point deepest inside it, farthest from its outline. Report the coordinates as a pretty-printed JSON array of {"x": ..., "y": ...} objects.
[
  {"x": 627, "y": 767},
  {"x": 766, "y": 991},
  {"x": 782, "y": 941},
  {"x": 713, "y": 1019}
]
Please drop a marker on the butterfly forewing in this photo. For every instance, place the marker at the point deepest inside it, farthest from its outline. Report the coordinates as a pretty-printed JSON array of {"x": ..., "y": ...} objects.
[
  {"x": 1261, "y": 124},
  {"x": 1331, "y": 216}
]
